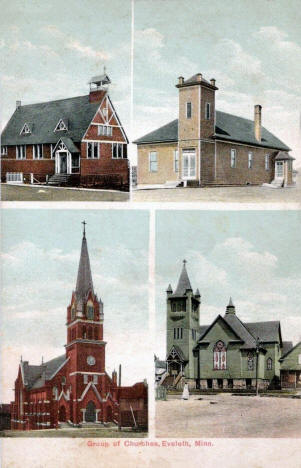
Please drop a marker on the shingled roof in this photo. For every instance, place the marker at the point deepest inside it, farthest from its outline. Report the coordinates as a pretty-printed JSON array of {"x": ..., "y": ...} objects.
[
  {"x": 36, "y": 376},
  {"x": 76, "y": 112},
  {"x": 183, "y": 283},
  {"x": 228, "y": 127}
]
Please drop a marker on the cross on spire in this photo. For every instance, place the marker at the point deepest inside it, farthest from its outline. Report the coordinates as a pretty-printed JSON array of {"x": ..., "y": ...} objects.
[{"x": 84, "y": 233}]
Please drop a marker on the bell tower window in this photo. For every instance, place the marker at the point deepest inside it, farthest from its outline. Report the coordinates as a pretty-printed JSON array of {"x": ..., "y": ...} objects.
[{"x": 72, "y": 313}]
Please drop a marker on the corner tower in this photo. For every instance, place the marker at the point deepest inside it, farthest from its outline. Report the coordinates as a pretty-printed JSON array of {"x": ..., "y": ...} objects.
[
  {"x": 183, "y": 307},
  {"x": 85, "y": 347}
]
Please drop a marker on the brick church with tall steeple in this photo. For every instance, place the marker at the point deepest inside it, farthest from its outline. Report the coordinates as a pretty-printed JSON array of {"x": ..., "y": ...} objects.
[{"x": 75, "y": 388}]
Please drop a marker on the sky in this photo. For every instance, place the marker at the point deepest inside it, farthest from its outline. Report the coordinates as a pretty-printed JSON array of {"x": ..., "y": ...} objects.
[
  {"x": 40, "y": 256},
  {"x": 253, "y": 49},
  {"x": 252, "y": 256}
]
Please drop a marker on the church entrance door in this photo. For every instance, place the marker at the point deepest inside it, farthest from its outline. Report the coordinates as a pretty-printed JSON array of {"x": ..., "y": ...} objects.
[
  {"x": 62, "y": 414},
  {"x": 90, "y": 412}
]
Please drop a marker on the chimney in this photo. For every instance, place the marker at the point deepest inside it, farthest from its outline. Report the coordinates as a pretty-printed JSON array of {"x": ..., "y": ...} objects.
[
  {"x": 257, "y": 122},
  {"x": 181, "y": 80},
  {"x": 18, "y": 104},
  {"x": 212, "y": 81},
  {"x": 199, "y": 77}
]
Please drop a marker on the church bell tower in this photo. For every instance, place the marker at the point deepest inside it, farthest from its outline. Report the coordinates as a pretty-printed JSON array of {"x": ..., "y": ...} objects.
[
  {"x": 183, "y": 307},
  {"x": 85, "y": 346}
]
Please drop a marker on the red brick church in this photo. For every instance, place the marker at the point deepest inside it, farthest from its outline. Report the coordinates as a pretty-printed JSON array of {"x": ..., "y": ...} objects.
[
  {"x": 77, "y": 141},
  {"x": 75, "y": 388}
]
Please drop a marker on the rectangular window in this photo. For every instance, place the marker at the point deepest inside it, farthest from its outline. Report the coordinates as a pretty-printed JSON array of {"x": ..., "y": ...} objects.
[
  {"x": 85, "y": 379},
  {"x": 105, "y": 130},
  {"x": 21, "y": 152},
  {"x": 193, "y": 334},
  {"x": 95, "y": 379},
  {"x": 153, "y": 161},
  {"x": 208, "y": 111},
  {"x": 176, "y": 160},
  {"x": 178, "y": 333},
  {"x": 3, "y": 150},
  {"x": 119, "y": 151},
  {"x": 233, "y": 158},
  {"x": 188, "y": 110},
  {"x": 92, "y": 150},
  {"x": 37, "y": 151},
  {"x": 267, "y": 162},
  {"x": 250, "y": 160}
]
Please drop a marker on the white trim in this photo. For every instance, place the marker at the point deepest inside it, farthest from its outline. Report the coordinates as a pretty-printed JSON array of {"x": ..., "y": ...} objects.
[
  {"x": 25, "y": 133},
  {"x": 118, "y": 120},
  {"x": 149, "y": 161},
  {"x": 91, "y": 384},
  {"x": 97, "y": 111},
  {"x": 88, "y": 373},
  {"x": 94, "y": 143},
  {"x": 176, "y": 151},
  {"x": 95, "y": 322},
  {"x": 58, "y": 369},
  {"x": 61, "y": 129},
  {"x": 122, "y": 148},
  {"x": 65, "y": 395},
  {"x": 17, "y": 152},
  {"x": 3, "y": 150},
  {"x": 85, "y": 340},
  {"x": 35, "y": 146}
]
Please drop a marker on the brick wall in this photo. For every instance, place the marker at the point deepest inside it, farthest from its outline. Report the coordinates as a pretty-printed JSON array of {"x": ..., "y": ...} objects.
[
  {"x": 241, "y": 175},
  {"x": 165, "y": 157},
  {"x": 207, "y": 162},
  {"x": 207, "y": 126},
  {"x": 189, "y": 128},
  {"x": 105, "y": 164}
]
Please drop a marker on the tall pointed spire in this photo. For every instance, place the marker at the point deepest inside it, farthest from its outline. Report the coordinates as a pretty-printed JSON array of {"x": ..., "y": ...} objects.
[
  {"x": 84, "y": 277},
  {"x": 184, "y": 282}
]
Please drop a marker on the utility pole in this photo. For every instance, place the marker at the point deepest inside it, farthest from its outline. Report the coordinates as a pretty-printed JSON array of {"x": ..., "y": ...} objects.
[{"x": 257, "y": 356}]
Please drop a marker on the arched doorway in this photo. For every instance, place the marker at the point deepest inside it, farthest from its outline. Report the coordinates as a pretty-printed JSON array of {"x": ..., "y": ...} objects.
[
  {"x": 62, "y": 414},
  {"x": 90, "y": 412}
]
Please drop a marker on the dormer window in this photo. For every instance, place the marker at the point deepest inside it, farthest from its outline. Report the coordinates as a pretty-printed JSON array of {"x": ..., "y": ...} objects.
[
  {"x": 60, "y": 126},
  {"x": 25, "y": 130}
]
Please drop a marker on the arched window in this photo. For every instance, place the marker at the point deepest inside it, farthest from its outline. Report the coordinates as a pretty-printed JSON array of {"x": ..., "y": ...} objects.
[
  {"x": 90, "y": 312},
  {"x": 250, "y": 362},
  {"x": 269, "y": 363},
  {"x": 219, "y": 356}
]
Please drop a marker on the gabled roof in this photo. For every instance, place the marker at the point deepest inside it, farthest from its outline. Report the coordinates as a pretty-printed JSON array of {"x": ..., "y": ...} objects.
[
  {"x": 36, "y": 376},
  {"x": 219, "y": 317},
  {"x": 45, "y": 117},
  {"x": 241, "y": 331},
  {"x": 266, "y": 331},
  {"x": 179, "y": 353},
  {"x": 183, "y": 283},
  {"x": 228, "y": 127},
  {"x": 283, "y": 156},
  {"x": 69, "y": 145},
  {"x": 289, "y": 351},
  {"x": 286, "y": 347}
]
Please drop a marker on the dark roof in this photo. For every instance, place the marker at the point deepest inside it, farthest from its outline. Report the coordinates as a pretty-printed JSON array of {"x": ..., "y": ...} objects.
[
  {"x": 76, "y": 112},
  {"x": 228, "y": 127},
  {"x": 35, "y": 376},
  {"x": 241, "y": 331},
  {"x": 194, "y": 79},
  {"x": 84, "y": 282},
  {"x": 183, "y": 283},
  {"x": 265, "y": 331},
  {"x": 283, "y": 156},
  {"x": 286, "y": 347},
  {"x": 69, "y": 144},
  {"x": 179, "y": 352},
  {"x": 289, "y": 351},
  {"x": 168, "y": 132}
]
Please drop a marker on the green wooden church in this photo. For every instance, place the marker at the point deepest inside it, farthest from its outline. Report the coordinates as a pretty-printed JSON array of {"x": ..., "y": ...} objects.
[{"x": 228, "y": 353}]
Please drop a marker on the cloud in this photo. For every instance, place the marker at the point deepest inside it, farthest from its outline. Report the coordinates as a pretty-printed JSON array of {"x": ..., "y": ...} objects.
[
  {"x": 87, "y": 51},
  {"x": 277, "y": 39}
]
